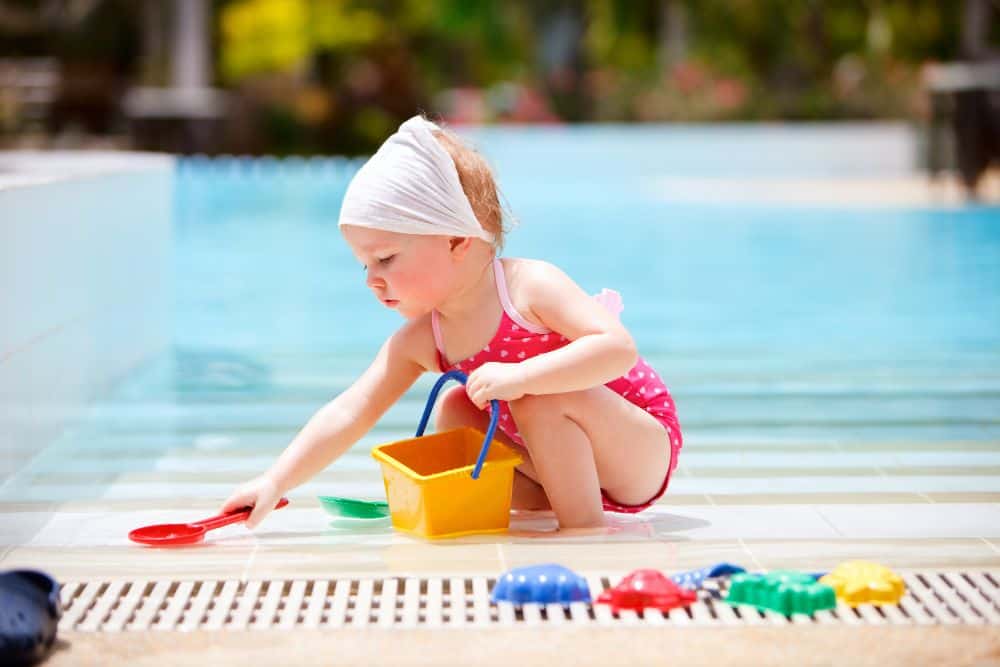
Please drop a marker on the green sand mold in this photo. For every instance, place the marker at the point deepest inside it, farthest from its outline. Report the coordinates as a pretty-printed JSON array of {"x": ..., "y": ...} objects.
[
  {"x": 784, "y": 591},
  {"x": 352, "y": 508}
]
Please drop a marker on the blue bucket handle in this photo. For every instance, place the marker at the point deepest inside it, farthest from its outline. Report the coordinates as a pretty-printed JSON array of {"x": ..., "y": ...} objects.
[{"x": 494, "y": 416}]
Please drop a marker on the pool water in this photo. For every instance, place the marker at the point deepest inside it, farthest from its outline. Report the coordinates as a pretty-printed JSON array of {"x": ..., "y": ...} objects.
[{"x": 813, "y": 333}]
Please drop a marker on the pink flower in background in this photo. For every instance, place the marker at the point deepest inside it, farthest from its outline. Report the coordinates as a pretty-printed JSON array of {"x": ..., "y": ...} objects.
[
  {"x": 729, "y": 94},
  {"x": 688, "y": 76}
]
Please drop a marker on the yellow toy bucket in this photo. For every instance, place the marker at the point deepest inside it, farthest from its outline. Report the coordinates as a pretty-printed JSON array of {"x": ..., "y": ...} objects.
[{"x": 436, "y": 484}]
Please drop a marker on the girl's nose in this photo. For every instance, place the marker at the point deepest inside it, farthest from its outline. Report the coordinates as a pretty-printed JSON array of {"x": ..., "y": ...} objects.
[{"x": 373, "y": 281}]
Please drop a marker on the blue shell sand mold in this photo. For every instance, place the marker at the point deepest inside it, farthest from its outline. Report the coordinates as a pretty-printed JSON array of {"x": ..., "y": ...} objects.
[
  {"x": 542, "y": 584},
  {"x": 694, "y": 579},
  {"x": 29, "y": 616}
]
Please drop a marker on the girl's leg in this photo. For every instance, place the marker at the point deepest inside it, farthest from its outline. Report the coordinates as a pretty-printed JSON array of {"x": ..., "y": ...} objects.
[
  {"x": 455, "y": 410},
  {"x": 583, "y": 441}
]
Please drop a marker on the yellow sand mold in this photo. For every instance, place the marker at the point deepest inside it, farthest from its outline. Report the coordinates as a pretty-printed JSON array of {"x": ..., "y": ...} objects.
[{"x": 861, "y": 582}]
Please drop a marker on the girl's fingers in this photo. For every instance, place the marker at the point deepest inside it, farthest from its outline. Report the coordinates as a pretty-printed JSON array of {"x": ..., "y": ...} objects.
[
  {"x": 235, "y": 501},
  {"x": 262, "y": 507},
  {"x": 477, "y": 400},
  {"x": 472, "y": 391}
]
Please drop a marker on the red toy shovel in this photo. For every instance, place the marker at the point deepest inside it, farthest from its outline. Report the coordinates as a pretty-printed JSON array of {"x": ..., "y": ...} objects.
[{"x": 172, "y": 534}]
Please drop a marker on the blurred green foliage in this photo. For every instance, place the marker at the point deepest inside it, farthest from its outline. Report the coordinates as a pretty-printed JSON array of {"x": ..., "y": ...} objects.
[
  {"x": 322, "y": 75},
  {"x": 611, "y": 59}
]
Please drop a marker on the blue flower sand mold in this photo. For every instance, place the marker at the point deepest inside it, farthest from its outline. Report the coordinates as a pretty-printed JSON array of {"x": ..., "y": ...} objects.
[
  {"x": 543, "y": 584},
  {"x": 694, "y": 579}
]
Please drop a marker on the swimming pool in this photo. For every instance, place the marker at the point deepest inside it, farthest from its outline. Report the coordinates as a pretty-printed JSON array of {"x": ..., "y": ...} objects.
[{"x": 820, "y": 336}]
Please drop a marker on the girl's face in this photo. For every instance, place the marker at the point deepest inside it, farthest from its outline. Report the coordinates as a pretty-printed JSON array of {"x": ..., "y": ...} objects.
[{"x": 411, "y": 273}]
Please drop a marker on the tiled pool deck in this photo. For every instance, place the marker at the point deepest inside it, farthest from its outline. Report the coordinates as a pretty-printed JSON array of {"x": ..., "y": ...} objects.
[{"x": 764, "y": 505}]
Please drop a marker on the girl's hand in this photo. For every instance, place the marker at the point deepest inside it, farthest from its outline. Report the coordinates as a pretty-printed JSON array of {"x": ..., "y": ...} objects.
[
  {"x": 493, "y": 380},
  {"x": 261, "y": 493}
]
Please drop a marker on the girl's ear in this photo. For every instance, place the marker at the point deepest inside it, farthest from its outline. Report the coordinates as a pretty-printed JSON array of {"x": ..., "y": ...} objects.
[{"x": 459, "y": 245}]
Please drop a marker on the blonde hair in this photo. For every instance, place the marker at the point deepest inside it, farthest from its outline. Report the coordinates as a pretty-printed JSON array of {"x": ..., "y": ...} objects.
[{"x": 479, "y": 185}]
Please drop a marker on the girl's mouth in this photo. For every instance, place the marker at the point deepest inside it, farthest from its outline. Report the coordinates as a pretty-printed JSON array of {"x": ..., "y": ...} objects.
[{"x": 390, "y": 303}]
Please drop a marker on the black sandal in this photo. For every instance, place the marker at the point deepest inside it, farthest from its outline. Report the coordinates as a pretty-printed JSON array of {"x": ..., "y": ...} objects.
[{"x": 29, "y": 615}]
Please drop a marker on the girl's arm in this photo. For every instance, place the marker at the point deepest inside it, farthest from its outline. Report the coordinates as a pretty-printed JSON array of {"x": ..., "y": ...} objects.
[
  {"x": 600, "y": 350},
  {"x": 335, "y": 427}
]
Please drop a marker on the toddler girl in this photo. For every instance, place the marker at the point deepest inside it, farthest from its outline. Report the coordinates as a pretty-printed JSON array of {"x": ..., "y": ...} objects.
[{"x": 594, "y": 423}]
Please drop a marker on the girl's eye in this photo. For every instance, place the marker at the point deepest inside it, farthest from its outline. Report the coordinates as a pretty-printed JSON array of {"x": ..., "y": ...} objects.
[{"x": 385, "y": 260}]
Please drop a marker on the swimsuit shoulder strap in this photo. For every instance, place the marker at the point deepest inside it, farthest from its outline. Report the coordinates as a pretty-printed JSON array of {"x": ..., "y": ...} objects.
[
  {"x": 508, "y": 306},
  {"x": 438, "y": 340}
]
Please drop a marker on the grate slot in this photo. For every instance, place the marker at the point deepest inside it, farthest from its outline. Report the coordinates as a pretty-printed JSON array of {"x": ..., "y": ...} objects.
[
  {"x": 196, "y": 613},
  {"x": 628, "y": 617},
  {"x": 557, "y": 615},
  {"x": 68, "y": 592},
  {"x": 986, "y": 588},
  {"x": 174, "y": 604},
  {"x": 481, "y": 609},
  {"x": 801, "y": 619},
  {"x": 939, "y": 595},
  {"x": 747, "y": 615},
  {"x": 458, "y": 609},
  {"x": 219, "y": 613},
  {"x": 679, "y": 617},
  {"x": 81, "y": 603},
  {"x": 361, "y": 614},
  {"x": 103, "y": 605},
  {"x": 653, "y": 617},
  {"x": 579, "y": 613},
  {"x": 972, "y": 596},
  {"x": 245, "y": 606},
  {"x": 316, "y": 593},
  {"x": 922, "y": 594},
  {"x": 602, "y": 613},
  {"x": 725, "y": 613},
  {"x": 123, "y": 614},
  {"x": 434, "y": 603},
  {"x": 411, "y": 603},
  {"x": 916, "y": 610},
  {"x": 701, "y": 614},
  {"x": 149, "y": 606},
  {"x": 506, "y": 614},
  {"x": 894, "y": 614},
  {"x": 267, "y": 609},
  {"x": 870, "y": 615},
  {"x": 531, "y": 614},
  {"x": 825, "y": 617},
  {"x": 337, "y": 614},
  {"x": 387, "y": 604},
  {"x": 955, "y": 600},
  {"x": 290, "y": 611}
]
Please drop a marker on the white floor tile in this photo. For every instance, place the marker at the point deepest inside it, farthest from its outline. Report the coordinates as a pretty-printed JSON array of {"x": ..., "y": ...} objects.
[
  {"x": 839, "y": 484},
  {"x": 951, "y": 520}
]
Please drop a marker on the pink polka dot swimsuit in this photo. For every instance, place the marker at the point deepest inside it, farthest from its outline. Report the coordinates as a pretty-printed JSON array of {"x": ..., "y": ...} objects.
[{"x": 517, "y": 339}]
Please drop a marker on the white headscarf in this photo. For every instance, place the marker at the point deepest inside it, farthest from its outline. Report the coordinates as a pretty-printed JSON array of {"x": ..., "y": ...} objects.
[{"x": 411, "y": 186}]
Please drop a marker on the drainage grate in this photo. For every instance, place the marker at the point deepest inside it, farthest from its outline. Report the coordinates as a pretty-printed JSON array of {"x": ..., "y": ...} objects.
[{"x": 931, "y": 598}]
